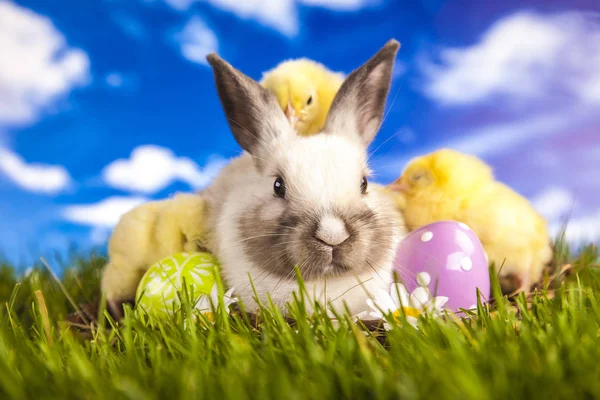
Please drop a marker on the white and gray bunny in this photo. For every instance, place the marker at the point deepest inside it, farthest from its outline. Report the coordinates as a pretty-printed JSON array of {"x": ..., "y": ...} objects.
[{"x": 294, "y": 201}]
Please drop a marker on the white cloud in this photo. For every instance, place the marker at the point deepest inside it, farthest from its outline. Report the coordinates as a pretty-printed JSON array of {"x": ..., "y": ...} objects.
[
  {"x": 496, "y": 138},
  {"x": 522, "y": 56},
  {"x": 38, "y": 178},
  {"x": 121, "y": 80},
  {"x": 399, "y": 70},
  {"x": 114, "y": 79},
  {"x": 554, "y": 202},
  {"x": 340, "y": 5},
  {"x": 580, "y": 230},
  {"x": 281, "y": 15},
  {"x": 130, "y": 26},
  {"x": 181, "y": 5},
  {"x": 104, "y": 214},
  {"x": 485, "y": 141},
  {"x": 37, "y": 68},
  {"x": 196, "y": 41},
  {"x": 151, "y": 168},
  {"x": 406, "y": 135}
]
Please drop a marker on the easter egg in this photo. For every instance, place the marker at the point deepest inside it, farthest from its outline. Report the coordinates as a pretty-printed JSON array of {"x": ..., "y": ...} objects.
[
  {"x": 157, "y": 292},
  {"x": 448, "y": 258}
]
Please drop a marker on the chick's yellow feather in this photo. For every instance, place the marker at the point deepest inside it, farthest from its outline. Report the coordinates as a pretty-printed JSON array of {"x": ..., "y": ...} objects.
[
  {"x": 449, "y": 185},
  {"x": 305, "y": 90},
  {"x": 147, "y": 234}
]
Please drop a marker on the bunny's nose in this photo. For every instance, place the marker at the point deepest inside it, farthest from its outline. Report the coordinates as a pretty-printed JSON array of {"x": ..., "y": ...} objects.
[{"x": 332, "y": 231}]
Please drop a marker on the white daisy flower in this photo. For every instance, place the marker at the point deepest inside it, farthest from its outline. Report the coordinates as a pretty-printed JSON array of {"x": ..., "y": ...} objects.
[
  {"x": 354, "y": 318},
  {"x": 413, "y": 304},
  {"x": 204, "y": 303}
]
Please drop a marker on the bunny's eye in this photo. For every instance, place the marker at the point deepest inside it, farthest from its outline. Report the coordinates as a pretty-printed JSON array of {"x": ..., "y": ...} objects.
[
  {"x": 279, "y": 187},
  {"x": 363, "y": 185},
  {"x": 309, "y": 101}
]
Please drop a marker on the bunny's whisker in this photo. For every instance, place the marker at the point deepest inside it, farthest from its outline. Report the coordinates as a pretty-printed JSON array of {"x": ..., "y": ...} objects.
[
  {"x": 265, "y": 235},
  {"x": 287, "y": 243},
  {"x": 381, "y": 278}
]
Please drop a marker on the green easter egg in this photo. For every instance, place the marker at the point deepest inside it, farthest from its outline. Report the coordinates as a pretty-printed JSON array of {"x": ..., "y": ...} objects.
[{"x": 157, "y": 292}]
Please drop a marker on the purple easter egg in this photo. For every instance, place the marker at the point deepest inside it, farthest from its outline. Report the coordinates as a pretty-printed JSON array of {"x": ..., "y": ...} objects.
[{"x": 451, "y": 256}]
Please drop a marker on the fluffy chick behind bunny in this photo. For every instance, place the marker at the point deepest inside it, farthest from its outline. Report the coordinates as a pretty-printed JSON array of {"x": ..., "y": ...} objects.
[
  {"x": 305, "y": 90},
  {"x": 145, "y": 235},
  {"x": 449, "y": 185}
]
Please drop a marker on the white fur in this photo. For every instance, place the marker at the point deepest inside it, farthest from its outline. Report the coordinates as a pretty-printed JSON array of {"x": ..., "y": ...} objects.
[{"x": 317, "y": 182}]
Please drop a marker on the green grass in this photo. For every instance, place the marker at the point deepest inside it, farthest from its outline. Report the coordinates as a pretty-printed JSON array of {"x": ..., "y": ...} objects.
[{"x": 544, "y": 348}]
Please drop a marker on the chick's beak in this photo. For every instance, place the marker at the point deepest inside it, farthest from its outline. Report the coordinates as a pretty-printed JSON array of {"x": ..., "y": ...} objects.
[
  {"x": 398, "y": 186},
  {"x": 290, "y": 114}
]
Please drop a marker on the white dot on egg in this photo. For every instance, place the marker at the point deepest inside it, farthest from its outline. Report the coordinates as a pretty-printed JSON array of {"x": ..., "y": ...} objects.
[
  {"x": 426, "y": 236},
  {"x": 423, "y": 278},
  {"x": 466, "y": 264},
  {"x": 464, "y": 226}
]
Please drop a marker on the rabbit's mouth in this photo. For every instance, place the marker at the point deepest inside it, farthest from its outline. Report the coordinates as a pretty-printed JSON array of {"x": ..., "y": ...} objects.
[
  {"x": 329, "y": 260},
  {"x": 330, "y": 244}
]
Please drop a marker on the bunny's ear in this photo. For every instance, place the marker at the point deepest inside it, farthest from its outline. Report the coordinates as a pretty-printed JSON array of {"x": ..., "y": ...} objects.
[
  {"x": 252, "y": 111},
  {"x": 358, "y": 107}
]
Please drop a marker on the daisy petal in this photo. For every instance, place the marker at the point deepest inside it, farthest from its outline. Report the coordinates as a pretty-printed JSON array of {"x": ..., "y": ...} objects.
[
  {"x": 376, "y": 313},
  {"x": 439, "y": 301},
  {"x": 400, "y": 288},
  {"x": 395, "y": 298},
  {"x": 360, "y": 315},
  {"x": 396, "y": 294},
  {"x": 384, "y": 301},
  {"x": 413, "y": 321},
  {"x": 419, "y": 297},
  {"x": 371, "y": 304}
]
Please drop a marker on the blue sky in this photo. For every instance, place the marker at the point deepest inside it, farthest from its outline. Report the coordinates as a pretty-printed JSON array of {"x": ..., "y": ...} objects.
[{"x": 106, "y": 104}]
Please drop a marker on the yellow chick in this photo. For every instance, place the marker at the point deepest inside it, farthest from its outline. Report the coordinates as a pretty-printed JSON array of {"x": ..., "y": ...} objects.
[
  {"x": 147, "y": 234},
  {"x": 449, "y": 185},
  {"x": 305, "y": 90}
]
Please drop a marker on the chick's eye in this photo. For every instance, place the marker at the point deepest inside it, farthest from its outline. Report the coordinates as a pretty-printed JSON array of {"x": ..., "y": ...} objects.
[
  {"x": 417, "y": 176},
  {"x": 363, "y": 185},
  {"x": 309, "y": 101},
  {"x": 279, "y": 187}
]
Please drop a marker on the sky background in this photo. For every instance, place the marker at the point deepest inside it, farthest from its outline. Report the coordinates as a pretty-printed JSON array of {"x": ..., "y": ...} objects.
[{"x": 107, "y": 104}]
